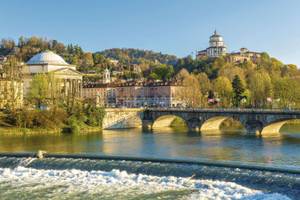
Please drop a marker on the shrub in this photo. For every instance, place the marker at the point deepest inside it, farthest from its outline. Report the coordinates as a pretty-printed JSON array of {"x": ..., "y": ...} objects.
[
  {"x": 94, "y": 115},
  {"x": 74, "y": 124}
]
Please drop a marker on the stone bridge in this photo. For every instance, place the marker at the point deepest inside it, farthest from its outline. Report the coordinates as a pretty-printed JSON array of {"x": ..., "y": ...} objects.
[
  {"x": 253, "y": 120},
  {"x": 119, "y": 118}
]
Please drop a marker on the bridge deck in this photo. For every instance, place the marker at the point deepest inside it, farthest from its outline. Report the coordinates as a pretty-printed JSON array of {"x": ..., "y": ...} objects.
[{"x": 229, "y": 110}]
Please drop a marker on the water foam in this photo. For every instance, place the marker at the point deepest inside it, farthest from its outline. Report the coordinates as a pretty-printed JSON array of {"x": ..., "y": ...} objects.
[{"x": 116, "y": 184}]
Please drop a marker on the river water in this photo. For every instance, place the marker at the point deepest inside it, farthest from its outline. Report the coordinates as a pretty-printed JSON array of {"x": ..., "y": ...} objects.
[{"x": 70, "y": 178}]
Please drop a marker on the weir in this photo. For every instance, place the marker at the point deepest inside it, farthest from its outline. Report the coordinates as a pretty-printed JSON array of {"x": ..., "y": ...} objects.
[
  {"x": 129, "y": 168},
  {"x": 30, "y": 157}
]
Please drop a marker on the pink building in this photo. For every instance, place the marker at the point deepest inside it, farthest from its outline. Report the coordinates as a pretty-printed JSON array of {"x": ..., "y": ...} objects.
[{"x": 135, "y": 94}]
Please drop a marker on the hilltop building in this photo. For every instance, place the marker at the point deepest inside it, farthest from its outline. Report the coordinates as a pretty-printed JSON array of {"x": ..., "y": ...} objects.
[
  {"x": 49, "y": 62},
  {"x": 244, "y": 55},
  {"x": 218, "y": 48}
]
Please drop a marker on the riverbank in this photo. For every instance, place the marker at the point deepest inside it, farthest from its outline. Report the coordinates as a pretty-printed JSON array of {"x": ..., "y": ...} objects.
[{"x": 37, "y": 131}]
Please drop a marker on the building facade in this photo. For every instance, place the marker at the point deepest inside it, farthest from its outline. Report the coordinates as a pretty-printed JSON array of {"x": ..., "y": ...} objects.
[
  {"x": 11, "y": 93},
  {"x": 70, "y": 79},
  {"x": 216, "y": 47},
  {"x": 244, "y": 55},
  {"x": 134, "y": 94}
]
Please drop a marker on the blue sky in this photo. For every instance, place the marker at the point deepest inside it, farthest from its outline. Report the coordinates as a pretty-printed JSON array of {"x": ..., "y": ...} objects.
[{"x": 177, "y": 27}]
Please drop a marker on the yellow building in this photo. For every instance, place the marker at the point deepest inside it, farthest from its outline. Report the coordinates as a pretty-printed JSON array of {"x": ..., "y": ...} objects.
[
  {"x": 244, "y": 55},
  {"x": 11, "y": 93}
]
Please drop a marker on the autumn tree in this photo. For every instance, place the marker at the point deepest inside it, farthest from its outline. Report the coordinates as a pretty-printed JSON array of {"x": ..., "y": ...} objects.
[
  {"x": 190, "y": 92},
  {"x": 260, "y": 86},
  {"x": 223, "y": 88},
  {"x": 204, "y": 82},
  {"x": 231, "y": 71},
  {"x": 182, "y": 74},
  {"x": 286, "y": 92}
]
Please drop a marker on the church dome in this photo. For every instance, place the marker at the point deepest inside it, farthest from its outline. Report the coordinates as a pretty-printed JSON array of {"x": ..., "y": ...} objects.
[
  {"x": 216, "y": 37},
  {"x": 47, "y": 57}
]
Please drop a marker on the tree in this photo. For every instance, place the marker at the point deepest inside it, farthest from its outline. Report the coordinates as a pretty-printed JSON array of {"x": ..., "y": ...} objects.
[
  {"x": 38, "y": 91},
  {"x": 182, "y": 74},
  {"x": 190, "y": 92},
  {"x": 87, "y": 61},
  {"x": 260, "y": 86},
  {"x": 285, "y": 91},
  {"x": 238, "y": 91},
  {"x": 231, "y": 71},
  {"x": 162, "y": 72},
  {"x": 204, "y": 82},
  {"x": 94, "y": 115},
  {"x": 44, "y": 91},
  {"x": 222, "y": 86},
  {"x": 289, "y": 70}
]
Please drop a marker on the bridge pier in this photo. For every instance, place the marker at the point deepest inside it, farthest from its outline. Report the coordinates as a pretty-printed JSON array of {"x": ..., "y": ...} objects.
[
  {"x": 147, "y": 125},
  {"x": 253, "y": 127},
  {"x": 193, "y": 125}
]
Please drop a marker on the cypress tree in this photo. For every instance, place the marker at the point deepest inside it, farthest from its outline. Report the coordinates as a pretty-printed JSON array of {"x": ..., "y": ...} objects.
[{"x": 238, "y": 91}]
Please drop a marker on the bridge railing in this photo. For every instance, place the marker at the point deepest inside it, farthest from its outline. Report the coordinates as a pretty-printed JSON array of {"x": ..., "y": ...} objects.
[{"x": 242, "y": 110}]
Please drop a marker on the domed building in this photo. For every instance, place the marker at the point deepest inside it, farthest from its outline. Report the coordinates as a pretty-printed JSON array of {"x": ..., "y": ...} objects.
[
  {"x": 49, "y": 62},
  {"x": 216, "y": 47}
]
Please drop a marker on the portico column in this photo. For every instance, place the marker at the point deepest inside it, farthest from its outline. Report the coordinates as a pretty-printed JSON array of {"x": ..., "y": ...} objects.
[
  {"x": 65, "y": 87},
  {"x": 80, "y": 88}
]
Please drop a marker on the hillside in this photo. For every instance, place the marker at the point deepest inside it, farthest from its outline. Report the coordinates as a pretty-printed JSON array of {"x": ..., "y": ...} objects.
[
  {"x": 129, "y": 63},
  {"x": 138, "y": 56}
]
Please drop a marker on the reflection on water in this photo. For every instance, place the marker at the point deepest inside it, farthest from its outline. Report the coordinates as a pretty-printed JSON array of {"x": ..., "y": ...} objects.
[{"x": 168, "y": 143}]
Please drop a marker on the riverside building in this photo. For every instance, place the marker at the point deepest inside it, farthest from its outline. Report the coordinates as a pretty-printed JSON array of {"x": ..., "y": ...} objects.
[
  {"x": 70, "y": 80},
  {"x": 134, "y": 94},
  {"x": 11, "y": 91}
]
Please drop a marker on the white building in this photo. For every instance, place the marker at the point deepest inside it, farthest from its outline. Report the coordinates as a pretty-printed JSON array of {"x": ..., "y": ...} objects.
[
  {"x": 216, "y": 47},
  {"x": 46, "y": 62}
]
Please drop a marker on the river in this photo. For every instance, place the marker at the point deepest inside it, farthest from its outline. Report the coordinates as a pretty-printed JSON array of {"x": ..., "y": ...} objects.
[{"x": 69, "y": 178}]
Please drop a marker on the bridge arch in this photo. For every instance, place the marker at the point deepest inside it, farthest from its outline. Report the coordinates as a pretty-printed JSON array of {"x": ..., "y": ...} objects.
[
  {"x": 164, "y": 119},
  {"x": 214, "y": 123},
  {"x": 167, "y": 121},
  {"x": 274, "y": 127}
]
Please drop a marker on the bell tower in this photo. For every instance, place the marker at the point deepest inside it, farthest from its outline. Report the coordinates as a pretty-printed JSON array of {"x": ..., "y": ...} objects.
[{"x": 106, "y": 76}]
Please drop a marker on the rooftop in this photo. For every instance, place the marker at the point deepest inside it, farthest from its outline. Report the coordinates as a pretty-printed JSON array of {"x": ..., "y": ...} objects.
[{"x": 47, "y": 57}]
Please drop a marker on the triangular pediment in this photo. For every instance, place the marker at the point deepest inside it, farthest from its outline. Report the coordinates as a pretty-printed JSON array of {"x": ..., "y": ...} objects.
[{"x": 67, "y": 71}]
